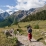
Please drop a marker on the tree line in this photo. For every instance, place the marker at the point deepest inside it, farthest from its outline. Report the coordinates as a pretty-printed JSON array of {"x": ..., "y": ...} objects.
[
  {"x": 9, "y": 21},
  {"x": 38, "y": 16}
]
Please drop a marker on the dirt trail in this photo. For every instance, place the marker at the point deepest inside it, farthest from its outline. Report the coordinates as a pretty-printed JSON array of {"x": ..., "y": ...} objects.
[{"x": 23, "y": 41}]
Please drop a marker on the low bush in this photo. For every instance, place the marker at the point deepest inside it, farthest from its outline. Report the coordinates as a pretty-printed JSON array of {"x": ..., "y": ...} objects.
[
  {"x": 36, "y": 26},
  {"x": 4, "y": 41}
]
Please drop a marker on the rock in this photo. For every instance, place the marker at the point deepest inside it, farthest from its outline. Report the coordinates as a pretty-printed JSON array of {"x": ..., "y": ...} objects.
[{"x": 45, "y": 40}]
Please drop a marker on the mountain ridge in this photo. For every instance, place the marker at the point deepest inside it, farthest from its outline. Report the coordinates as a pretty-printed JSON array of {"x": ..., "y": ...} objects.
[{"x": 4, "y": 15}]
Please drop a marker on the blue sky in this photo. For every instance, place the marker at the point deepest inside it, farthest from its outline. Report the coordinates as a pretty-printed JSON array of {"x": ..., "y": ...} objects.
[
  {"x": 7, "y": 2},
  {"x": 4, "y": 3},
  {"x": 15, "y": 5}
]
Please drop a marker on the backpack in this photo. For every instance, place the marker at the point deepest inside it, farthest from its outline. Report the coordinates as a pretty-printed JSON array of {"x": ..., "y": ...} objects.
[{"x": 29, "y": 30}]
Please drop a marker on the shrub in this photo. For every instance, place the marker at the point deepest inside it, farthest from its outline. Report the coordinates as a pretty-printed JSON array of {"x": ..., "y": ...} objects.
[
  {"x": 27, "y": 25},
  {"x": 20, "y": 30},
  {"x": 36, "y": 26},
  {"x": 15, "y": 32},
  {"x": 14, "y": 41},
  {"x": 7, "y": 41},
  {"x": 19, "y": 26}
]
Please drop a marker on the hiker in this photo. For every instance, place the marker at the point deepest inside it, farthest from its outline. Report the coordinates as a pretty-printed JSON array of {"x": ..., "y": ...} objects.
[
  {"x": 7, "y": 33},
  {"x": 11, "y": 32},
  {"x": 29, "y": 28},
  {"x": 17, "y": 31}
]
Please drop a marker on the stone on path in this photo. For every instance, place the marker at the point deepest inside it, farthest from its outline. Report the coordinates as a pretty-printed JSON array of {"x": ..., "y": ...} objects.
[{"x": 25, "y": 42}]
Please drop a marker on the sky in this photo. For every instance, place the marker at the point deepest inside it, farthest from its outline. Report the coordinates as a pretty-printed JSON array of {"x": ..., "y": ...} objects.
[{"x": 15, "y": 5}]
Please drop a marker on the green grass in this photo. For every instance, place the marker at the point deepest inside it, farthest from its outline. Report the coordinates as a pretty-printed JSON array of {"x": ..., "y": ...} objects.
[
  {"x": 36, "y": 32},
  {"x": 4, "y": 41}
]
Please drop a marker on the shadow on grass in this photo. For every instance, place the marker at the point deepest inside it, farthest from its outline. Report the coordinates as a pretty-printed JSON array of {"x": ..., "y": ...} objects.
[
  {"x": 37, "y": 40},
  {"x": 19, "y": 44}
]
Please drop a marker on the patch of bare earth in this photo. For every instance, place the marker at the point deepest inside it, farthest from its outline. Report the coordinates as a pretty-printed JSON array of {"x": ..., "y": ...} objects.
[{"x": 23, "y": 41}]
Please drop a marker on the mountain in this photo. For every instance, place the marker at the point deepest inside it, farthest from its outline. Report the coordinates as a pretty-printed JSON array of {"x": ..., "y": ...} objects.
[
  {"x": 18, "y": 14},
  {"x": 39, "y": 9},
  {"x": 4, "y": 16},
  {"x": 38, "y": 16},
  {"x": 13, "y": 18},
  {"x": 11, "y": 12},
  {"x": 22, "y": 13}
]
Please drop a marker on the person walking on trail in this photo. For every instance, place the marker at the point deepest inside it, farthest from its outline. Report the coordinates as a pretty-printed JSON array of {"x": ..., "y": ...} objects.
[
  {"x": 29, "y": 29},
  {"x": 11, "y": 32},
  {"x": 17, "y": 31},
  {"x": 7, "y": 33}
]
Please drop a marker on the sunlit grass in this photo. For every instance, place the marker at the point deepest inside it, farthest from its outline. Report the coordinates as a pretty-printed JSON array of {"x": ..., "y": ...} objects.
[{"x": 36, "y": 32}]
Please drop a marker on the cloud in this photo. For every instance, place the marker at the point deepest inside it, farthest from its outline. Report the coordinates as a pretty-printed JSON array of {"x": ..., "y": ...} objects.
[
  {"x": 1, "y": 11},
  {"x": 27, "y": 4},
  {"x": 24, "y": 5},
  {"x": 10, "y": 7},
  {"x": 8, "y": 10}
]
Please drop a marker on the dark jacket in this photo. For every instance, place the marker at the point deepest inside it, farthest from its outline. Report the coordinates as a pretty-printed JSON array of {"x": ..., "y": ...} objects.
[{"x": 30, "y": 30}]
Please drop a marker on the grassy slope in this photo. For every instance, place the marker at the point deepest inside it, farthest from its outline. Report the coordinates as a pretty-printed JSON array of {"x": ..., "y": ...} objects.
[{"x": 36, "y": 32}]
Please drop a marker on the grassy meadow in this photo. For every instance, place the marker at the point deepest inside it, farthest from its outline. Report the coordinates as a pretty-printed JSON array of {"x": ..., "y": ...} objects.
[{"x": 37, "y": 33}]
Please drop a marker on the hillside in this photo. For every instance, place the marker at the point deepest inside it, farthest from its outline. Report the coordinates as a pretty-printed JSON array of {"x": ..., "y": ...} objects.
[
  {"x": 14, "y": 19},
  {"x": 37, "y": 33},
  {"x": 39, "y": 9},
  {"x": 4, "y": 23},
  {"x": 9, "y": 21},
  {"x": 4, "y": 15},
  {"x": 38, "y": 16},
  {"x": 23, "y": 16}
]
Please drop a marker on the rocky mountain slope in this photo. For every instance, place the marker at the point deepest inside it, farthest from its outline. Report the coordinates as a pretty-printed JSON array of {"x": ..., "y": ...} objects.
[
  {"x": 39, "y": 9},
  {"x": 4, "y": 16}
]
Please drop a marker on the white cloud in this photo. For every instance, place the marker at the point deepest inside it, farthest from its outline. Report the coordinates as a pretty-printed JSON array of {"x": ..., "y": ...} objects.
[
  {"x": 1, "y": 11},
  {"x": 9, "y": 11},
  {"x": 24, "y": 5},
  {"x": 10, "y": 7},
  {"x": 27, "y": 4}
]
